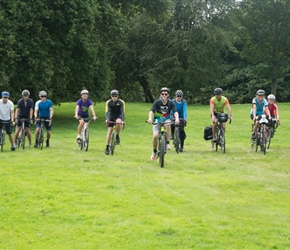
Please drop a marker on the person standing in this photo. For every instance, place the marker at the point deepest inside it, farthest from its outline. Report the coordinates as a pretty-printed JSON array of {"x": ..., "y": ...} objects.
[
  {"x": 217, "y": 104},
  {"x": 82, "y": 110},
  {"x": 181, "y": 106},
  {"x": 160, "y": 111},
  {"x": 115, "y": 113},
  {"x": 24, "y": 110},
  {"x": 7, "y": 116},
  {"x": 43, "y": 110}
]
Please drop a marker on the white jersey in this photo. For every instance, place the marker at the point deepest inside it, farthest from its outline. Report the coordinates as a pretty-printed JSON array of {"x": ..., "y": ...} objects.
[{"x": 5, "y": 110}]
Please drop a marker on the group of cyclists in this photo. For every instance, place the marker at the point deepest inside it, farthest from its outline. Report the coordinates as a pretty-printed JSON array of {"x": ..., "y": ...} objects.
[{"x": 163, "y": 109}]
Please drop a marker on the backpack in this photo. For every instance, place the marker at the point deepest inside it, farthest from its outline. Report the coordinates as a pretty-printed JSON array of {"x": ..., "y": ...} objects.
[{"x": 207, "y": 135}]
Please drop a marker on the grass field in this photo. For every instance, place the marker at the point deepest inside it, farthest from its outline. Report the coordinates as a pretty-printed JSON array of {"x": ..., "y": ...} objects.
[{"x": 63, "y": 198}]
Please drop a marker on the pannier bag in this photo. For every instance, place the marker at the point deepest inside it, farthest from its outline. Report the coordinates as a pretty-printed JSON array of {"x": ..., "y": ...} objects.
[
  {"x": 222, "y": 117},
  {"x": 207, "y": 133}
]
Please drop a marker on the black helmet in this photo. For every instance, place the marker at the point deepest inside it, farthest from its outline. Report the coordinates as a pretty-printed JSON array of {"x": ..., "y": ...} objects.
[
  {"x": 218, "y": 91},
  {"x": 114, "y": 92},
  {"x": 260, "y": 92},
  {"x": 179, "y": 93},
  {"x": 164, "y": 89},
  {"x": 25, "y": 93}
]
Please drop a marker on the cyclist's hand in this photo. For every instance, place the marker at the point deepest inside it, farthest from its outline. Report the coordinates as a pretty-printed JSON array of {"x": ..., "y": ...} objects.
[
  {"x": 213, "y": 118},
  {"x": 118, "y": 120},
  {"x": 76, "y": 117},
  {"x": 149, "y": 121},
  {"x": 31, "y": 121},
  {"x": 176, "y": 121},
  {"x": 95, "y": 117},
  {"x": 13, "y": 124},
  {"x": 50, "y": 121}
]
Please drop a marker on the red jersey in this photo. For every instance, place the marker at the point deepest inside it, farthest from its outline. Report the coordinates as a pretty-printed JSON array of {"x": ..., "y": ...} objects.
[{"x": 273, "y": 109}]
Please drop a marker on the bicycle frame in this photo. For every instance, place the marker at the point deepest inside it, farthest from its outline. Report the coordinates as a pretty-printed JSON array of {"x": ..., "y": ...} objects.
[
  {"x": 2, "y": 135},
  {"x": 41, "y": 133},
  {"x": 113, "y": 135},
  {"x": 176, "y": 141},
  {"x": 220, "y": 138},
  {"x": 21, "y": 136},
  {"x": 261, "y": 137},
  {"x": 84, "y": 141}
]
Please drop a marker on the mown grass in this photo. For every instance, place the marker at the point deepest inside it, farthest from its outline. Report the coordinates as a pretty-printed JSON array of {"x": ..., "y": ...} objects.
[{"x": 63, "y": 198}]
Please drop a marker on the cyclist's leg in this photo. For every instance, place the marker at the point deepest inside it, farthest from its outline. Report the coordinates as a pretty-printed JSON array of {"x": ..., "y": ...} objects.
[
  {"x": 168, "y": 134},
  {"x": 48, "y": 132},
  {"x": 17, "y": 131},
  {"x": 214, "y": 129},
  {"x": 80, "y": 126},
  {"x": 8, "y": 129}
]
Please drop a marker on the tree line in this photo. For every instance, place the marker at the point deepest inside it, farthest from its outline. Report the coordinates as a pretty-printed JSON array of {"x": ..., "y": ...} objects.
[{"x": 139, "y": 46}]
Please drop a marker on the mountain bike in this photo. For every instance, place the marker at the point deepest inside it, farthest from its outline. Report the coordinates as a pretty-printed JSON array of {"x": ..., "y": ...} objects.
[
  {"x": 83, "y": 143},
  {"x": 41, "y": 133},
  {"x": 21, "y": 137},
  {"x": 2, "y": 134},
  {"x": 271, "y": 126},
  {"x": 161, "y": 146},
  {"x": 261, "y": 135},
  {"x": 176, "y": 140},
  {"x": 220, "y": 133},
  {"x": 113, "y": 144}
]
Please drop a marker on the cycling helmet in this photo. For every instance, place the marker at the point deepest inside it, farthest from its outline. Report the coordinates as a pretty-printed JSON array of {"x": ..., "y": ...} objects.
[
  {"x": 5, "y": 94},
  {"x": 164, "y": 89},
  {"x": 42, "y": 93},
  {"x": 218, "y": 91},
  {"x": 25, "y": 92},
  {"x": 271, "y": 97},
  {"x": 260, "y": 92},
  {"x": 84, "y": 91},
  {"x": 114, "y": 92},
  {"x": 179, "y": 93}
]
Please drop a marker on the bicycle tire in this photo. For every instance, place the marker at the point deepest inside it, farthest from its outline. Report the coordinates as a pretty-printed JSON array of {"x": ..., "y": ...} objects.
[
  {"x": 176, "y": 140},
  {"x": 86, "y": 141},
  {"x": 18, "y": 141},
  {"x": 223, "y": 141},
  {"x": 2, "y": 136},
  {"x": 40, "y": 140},
  {"x": 113, "y": 141},
  {"x": 23, "y": 139},
  {"x": 264, "y": 142},
  {"x": 162, "y": 150}
]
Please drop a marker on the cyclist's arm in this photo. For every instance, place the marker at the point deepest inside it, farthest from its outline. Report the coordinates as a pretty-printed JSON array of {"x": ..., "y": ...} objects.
[
  {"x": 267, "y": 111},
  {"x": 211, "y": 109},
  {"x": 254, "y": 111},
  {"x": 12, "y": 115},
  {"x": 185, "y": 111},
  {"x": 229, "y": 109},
  {"x": 16, "y": 113},
  {"x": 93, "y": 111},
  {"x": 107, "y": 110},
  {"x": 277, "y": 114},
  {"x": 122, "y": 110},
  {"x": 30, "y": 113},
  {"x": 51, "y": 113},
  {"x": 36, "y": 109},
  {"x": 76, "y": 111},
  {"x": 150, "y": 116}
]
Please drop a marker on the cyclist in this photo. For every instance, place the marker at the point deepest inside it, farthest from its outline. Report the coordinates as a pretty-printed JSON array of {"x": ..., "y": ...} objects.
[
  {"x": 7, "y": 115},
  {"x": 115, "y": 112},
  {"x": 181, "y": 106},
  {"x": 161, "y": 110},
  {"x": 273, "y": 107},
  {"x": 217, "y": 104},
  {"x": 259, "y": 106},
  {"x": 43, "y": 110},
  {"x": 82, "y": 110},
  {"x": 24, "y": 110}
]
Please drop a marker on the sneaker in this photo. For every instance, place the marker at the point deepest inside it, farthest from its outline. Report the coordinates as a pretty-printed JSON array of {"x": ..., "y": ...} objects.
[
  {"x": 253, "y": 136},
  {"x": 181, "y": 149},
  {"x": 78, "y": 138},
  {"x": 107, "y": 151},
  {"x": 168, "y": 147},
  {"x": 213, "y": 139},
  {"x": 47, "y": 143},
  {"x": 30, "y": 145},
  {"x": 12, "y": 148},
  {"x": 36, "y": 144},
  {"x": 117, "y": 139},
  {"x": 153, "y": 156}
]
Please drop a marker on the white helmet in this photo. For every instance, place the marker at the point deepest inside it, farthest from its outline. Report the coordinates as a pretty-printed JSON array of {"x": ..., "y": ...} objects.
[
  {"x": 271, "y": 97},
  {"x": 42, "y": 93},
  {"x": 84, "y": 91}
]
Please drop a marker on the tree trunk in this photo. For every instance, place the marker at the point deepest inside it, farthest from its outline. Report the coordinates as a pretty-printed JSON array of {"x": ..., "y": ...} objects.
[{"x": 147, "y": 92}]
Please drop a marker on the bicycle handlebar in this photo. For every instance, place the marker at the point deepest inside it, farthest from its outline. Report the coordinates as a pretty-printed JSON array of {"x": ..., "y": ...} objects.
[
  {"x": 123, "y": 123},
  {"x": 161, "y": 123},
  {"x": 88, "y": 120}
]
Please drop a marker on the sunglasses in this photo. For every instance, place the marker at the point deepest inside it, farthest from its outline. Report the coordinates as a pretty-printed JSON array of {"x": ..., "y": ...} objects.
[
  {"x": 114, "y": 96},
  {"x": 5, "y": 97},
  {"x": 179, "y": 96},
  {"x": 164, "y": 94},
  {"x": 43, "y": 96}
]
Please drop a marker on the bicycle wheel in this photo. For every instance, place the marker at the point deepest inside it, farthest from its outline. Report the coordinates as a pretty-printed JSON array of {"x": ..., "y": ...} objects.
[
  {"x": 23, "y": 139},
  {"x": 86, "y": 140},
  {"x": 2, "y": 136},
  {"x": 222, "y": 141},
  {"x": 264, "y": 141},
  {"x": 113, "y": 141},
  {"x": 162, "y": 150},
  {"x": 176, "y": 140},
  {"x": 18, "y": 141},
  {"x": 40, "y": 138}
]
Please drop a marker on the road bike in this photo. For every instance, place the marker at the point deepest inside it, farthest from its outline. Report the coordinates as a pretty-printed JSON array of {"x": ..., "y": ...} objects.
[
  {"x": 21, "y": 137},
  {"x": 83, "y": 142},
  {"x": 271, "y": 126},
  {"x": 2, "y": 134},
  {"x": 41, "y": 133},
  {"x": 161, "y": 146},
  {"x": 113, "y": 143},
  {"x": 176, "y": 140},
  {"x": 261, "y": 135},
  {"x": 220, "y": 133}
]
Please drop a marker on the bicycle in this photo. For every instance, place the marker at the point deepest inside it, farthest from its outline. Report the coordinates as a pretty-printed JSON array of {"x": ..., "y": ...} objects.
[
  {"x": 261, "y": 135},
  {"x": 161, "y": 146},
  {"x": 271, "y": 126},
  {"x": 41, "y": 133},
  {"x": 176, "y": 140},
  {"x": 220, "y": 133},
  {"x": 21, "y": 137},
  {"x": 83, "y": 143},
  {"x": 2, "y": 134},
  {"x": 113, "y": 144}
]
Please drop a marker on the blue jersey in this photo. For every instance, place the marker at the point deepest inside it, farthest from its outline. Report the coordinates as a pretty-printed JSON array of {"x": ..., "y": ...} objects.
[
  {"x": 259, "y": 106},
  {"x": 181, "y": 108},
  {"x": 43, "y": 108}
]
